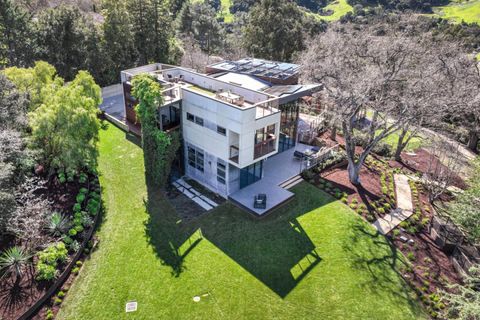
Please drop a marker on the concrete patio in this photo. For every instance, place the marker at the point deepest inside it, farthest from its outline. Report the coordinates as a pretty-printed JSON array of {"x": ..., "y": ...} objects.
[{"x": 276, "y": 170}]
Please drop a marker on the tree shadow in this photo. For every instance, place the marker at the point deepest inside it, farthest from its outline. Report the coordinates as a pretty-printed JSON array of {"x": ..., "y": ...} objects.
[
  {"x": 276, "y": 250},
  {"x": 385, "y": 266}
]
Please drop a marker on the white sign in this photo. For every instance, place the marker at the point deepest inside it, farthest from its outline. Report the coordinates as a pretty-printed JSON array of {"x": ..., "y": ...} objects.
[{"x": 131, "y": 306}]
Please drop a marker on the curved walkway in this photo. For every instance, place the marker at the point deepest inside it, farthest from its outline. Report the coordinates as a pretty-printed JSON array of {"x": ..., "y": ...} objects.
[{"x": 404, "y": 206}]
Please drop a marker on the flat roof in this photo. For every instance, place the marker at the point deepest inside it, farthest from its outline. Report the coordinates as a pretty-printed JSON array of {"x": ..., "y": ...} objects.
[
  {"x": 259, "y": 67},
  {"x": 244, "y": 80}
]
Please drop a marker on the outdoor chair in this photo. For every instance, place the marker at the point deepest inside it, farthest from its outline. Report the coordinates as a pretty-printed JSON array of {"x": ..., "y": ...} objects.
[{"x": 260, "y": 201}]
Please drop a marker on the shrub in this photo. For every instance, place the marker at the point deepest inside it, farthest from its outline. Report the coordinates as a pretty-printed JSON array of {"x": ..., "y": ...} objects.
[
  {"x": 381, "y": 211},
  {"x": 79, "y": 228},
  {"x": 396, "y": 232},
  {"x": 70, "y": 175},
  {"x": 74, "y": 246},
  {"x": 86, "y": 251},
  {"x": 404, "y": 224},
  {"x": 72, "y": 232},
  {"x": 67, "y": 240},
  {"x": 344, "y": 200},
  {"x": 387, "y": 206},
  {"x": 80, "y": 197},
  {"x": 61, "y": 178},
  {"x": 53, "y": 254},
  {"x": 58, "y": 224},
  {"x": 77, "y": 222},
  {"x": 353, "y": 205},
  {"x": 411, "y": 256},
  {"x": 392, "y": 195},
  {"x": 426, "y": 209},
  {"x": 93, "y": 206},
  {"x": 46, "y": 271},
  {"x": 57, "y": 301},
  {"x": 328, "y": 185},
  {"x": 87, "y": 222},
  {"x": 61, "y": 294},
  {"x": 75, "y": 270},
  {"x": 383, "y": 149},
  {"x": 412, "y": 229},
  {"x": 77, "y": 207},
  {"x": 82, "y": 177},
  {"x": 49, "y": 314},
  {"x": 338, "y": 195},
  {"x": 425, "y": 222},
  {"x": 384, "y": 190},
  {"x": 79, "y": 263},
  {"x": 370, "y": 217}
]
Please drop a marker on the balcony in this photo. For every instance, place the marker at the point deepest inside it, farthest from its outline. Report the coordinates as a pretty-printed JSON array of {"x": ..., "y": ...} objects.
[
  {"x": 265, "y": 147},
  {"x": 234, "y": 153}
]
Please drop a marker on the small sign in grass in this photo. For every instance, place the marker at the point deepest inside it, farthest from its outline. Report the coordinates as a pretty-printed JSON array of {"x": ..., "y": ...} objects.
[{"x": 131, "y": 306}]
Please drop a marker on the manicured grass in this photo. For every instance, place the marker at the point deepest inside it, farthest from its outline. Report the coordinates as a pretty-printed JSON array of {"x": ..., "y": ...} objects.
[
  {"x": 313, "y": 259},
  {"x": 460, "y": 10},
  {"x": 339, "y": 8},
  {"x": 413, "y": 144}
]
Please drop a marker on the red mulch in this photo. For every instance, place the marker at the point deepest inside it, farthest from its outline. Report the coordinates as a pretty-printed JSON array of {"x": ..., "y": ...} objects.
[
  {"x": 422, "y": 162},
  {"x": 370, "y": 190}
]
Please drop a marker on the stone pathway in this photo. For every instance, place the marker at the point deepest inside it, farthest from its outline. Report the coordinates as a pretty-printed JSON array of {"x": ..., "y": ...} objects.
[
  {"x": 203, "y": 201},
  {"x": 404, "y": 206}
]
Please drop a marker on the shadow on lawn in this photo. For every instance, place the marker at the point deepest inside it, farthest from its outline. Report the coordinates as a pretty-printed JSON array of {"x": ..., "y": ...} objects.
[
  {"x": 372, "y": 252},
  {"x": 276, "y": 250}
]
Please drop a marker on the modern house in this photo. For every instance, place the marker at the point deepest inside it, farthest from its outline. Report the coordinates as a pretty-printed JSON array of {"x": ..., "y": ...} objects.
[{"x": 232, "y": 118}]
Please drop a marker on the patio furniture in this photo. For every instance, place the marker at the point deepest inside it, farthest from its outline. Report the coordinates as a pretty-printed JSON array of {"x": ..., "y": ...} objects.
[{"x": 260, "y": 201}]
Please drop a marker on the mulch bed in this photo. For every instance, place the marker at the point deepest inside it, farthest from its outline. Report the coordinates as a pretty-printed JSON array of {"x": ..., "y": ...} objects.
[{"x": 15, "y": 299}]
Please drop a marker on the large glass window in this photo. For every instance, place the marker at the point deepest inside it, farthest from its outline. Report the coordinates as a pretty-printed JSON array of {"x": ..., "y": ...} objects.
[
  {"x": 251, "y": 174},
  {"x": 288, "y": 125},
  {"x": 195, "y": 158}
]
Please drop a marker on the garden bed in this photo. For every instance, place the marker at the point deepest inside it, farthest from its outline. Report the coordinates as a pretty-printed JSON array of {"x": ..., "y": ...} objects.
[{"x": 51, "y": 252}]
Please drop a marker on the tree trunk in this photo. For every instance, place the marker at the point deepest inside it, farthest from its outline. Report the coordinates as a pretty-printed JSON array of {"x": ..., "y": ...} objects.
[
  {"x": 354, "y": 173},
  {"x": 333, "y": 133},
  {"x": 473, "y": 141},
  {"x": 400, "y": 146}
]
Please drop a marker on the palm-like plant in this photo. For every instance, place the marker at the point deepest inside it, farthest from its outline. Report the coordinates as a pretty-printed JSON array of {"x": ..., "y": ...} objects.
[
  {"x": 14, "y": 261},
  {"x": 58, "y": 224}
]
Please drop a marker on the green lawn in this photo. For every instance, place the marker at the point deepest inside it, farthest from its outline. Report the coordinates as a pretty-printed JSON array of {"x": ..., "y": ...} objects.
[
  {"x": 458, "y": 10},
  {"x": 313, "y": 259},
  {"x": 413, "y": 144},
  {"x": 339, "y": 8},
  {"x": 225, "y": 11}
]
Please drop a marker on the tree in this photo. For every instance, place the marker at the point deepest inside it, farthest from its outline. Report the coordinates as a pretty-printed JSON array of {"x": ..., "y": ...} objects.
[
  {"x": 463, "y": 302},
  {"x": 198, "y": 19},
  {"x": 151, "y": 26},
  {"x": 159, "y": 148},
  {"x": 274, "y": 30},
  {"x": 362, "y": 71},
  {"x": 16, "y": 43},
  {"x": 37, "y": 83},
  {"x": 65, "y": 128},
  {"x": 61, "y": 34},
  {"x": 118, "y": 38}
]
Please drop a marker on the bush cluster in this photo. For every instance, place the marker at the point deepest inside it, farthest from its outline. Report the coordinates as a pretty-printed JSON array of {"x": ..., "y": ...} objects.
[{"x": 49, "y": 259}]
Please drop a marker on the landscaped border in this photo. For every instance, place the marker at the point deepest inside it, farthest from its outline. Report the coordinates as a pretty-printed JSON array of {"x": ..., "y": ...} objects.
[{"x": 33, "y": 310}]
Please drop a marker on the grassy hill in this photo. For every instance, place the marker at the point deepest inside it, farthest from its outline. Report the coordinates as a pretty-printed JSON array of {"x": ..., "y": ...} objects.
[{"x": 460, "y": 10}]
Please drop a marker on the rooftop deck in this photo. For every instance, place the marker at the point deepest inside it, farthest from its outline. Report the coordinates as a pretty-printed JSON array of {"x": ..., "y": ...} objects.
[{"x": 276, "y": 169}]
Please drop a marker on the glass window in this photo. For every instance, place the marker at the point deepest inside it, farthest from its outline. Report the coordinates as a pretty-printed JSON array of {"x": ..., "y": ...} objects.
[
  {"x": 190, "y": 117},
  {"x": 199, "y": 121},
  {"x": 221, "y": 172},
  {"x": 195, "y": 158},
  {"x": 222, "y": 130}
]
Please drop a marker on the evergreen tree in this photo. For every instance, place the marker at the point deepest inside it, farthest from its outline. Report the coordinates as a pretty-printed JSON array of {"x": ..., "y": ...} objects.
[
  {"x": 151, "y": 28},
  {"x": 16, "y": 29},
  {"x": 274, "y": 30},
  {"x": 118, "y": 38}
]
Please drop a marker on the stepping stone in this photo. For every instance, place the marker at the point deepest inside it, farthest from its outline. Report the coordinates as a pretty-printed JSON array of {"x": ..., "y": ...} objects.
[{"x": 403, "y": 239}]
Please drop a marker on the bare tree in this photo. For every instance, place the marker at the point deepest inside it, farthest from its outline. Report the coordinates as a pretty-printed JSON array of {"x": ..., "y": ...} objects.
[
  {"x": 193, "y": 56},
  {"x": 360, "y": 70}
]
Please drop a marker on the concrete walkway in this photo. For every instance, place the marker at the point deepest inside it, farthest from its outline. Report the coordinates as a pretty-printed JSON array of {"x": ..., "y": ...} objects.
[
  {"x": 203, "y": 201},
  {"x": 404, "y": 206}
]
